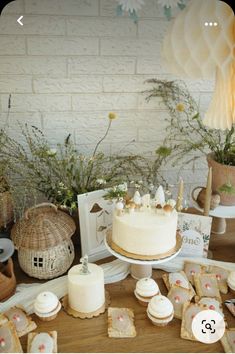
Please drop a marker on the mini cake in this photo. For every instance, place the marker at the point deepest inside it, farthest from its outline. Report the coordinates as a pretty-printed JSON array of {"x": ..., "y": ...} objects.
[
  {"x": 160, "y": 310},
  {"x": 231, "y": 282},
  {"x": 86, "y": 293},
  {"x": 47, "y": 306},
  {"x": 145, "y": 289},
  {"x": 145, "y": 232}
]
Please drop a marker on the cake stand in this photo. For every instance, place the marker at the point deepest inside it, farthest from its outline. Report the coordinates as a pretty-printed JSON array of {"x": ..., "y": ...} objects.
[
  {"x": 140, "y": 268},
  {"x": 219, "y": 214}
]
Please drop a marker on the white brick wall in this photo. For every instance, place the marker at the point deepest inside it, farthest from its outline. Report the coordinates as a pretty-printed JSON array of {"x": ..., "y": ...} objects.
[{"x": 73, "y": 61}]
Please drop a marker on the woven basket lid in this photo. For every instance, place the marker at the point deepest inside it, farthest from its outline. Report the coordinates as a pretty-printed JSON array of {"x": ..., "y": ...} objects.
[{"x": 43, "y": 227}]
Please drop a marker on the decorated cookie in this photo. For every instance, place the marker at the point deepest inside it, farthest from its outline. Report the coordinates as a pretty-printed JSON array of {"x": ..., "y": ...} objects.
[
  {"x": 191, "y": 269},
  {"x": 21, "y": 321},
  {"x": 177, "y": 278},
  {"x": 44, "y": 342},
  {"x": 212, "y": 304},
  {"x": 221, "y": 276},
  {"x": 9, "y": 340},
  {"x": 121, "y": 323},
  {"x": 190, "y": 310},
  {"x": 178, "y": 296},
  {"x": 228, "y": 340},
  {"x": 231, "y": 282},
  {"x": 207, "y": 286}
]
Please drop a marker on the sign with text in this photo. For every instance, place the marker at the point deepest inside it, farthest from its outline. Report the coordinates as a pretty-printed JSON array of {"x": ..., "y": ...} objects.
[{"x": 195, "y": 231}]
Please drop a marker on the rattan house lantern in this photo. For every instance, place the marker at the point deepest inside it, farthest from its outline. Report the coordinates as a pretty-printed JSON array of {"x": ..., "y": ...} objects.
[{"x": 43, "y": 241}]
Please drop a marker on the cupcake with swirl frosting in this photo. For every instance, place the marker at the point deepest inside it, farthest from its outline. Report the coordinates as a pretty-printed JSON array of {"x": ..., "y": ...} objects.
[{"x": 160, "y": 310}]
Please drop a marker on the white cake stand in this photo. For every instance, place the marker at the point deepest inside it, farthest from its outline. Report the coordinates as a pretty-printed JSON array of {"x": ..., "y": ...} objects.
[
  {"x": 219, "y": 214},
  {"x": 140, "y": 268}
]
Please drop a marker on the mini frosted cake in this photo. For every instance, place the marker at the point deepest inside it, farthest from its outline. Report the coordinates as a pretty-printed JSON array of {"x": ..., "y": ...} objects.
[
  {"x": 145, "y": 229},
  {"x": 160, "y": 310},
  {"x": 145, "y": 289}
]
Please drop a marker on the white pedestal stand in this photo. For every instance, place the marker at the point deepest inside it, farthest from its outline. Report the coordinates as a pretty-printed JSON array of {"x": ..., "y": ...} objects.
[
  {"x": 140, "y": 268},
  {"x": 219, "y": 214}
]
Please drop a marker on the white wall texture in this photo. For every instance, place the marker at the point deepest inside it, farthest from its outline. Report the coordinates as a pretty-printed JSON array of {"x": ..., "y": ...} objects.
[{"x": 73, "y": 61}]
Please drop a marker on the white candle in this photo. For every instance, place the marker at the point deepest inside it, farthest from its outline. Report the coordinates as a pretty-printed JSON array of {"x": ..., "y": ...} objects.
[{"x": 86, "y": 291}]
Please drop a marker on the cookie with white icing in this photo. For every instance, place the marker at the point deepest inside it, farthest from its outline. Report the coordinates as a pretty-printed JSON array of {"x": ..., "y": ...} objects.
[
  {"x": 221, "y": 276},
  {"x": 9, "y": 340},
  {"x": 190, "y": 310},
  {"x": 22, "y": 322},
  {"x": 191, "y": 269},
  {"x": 206, "y": 285},
  {"x": 228, "y": 340},
  {"x": 179, "y": 279},
  {"x": 44, "y": 342},
  {"x": 179, "y": 296}
]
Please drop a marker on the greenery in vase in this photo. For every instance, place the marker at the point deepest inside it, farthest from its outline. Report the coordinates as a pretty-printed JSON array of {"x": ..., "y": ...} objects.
[{"x": 187, "y": 138}]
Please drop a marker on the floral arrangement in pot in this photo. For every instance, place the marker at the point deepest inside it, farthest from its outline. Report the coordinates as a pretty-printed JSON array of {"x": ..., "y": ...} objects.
[{"x": 188, "y": 139}]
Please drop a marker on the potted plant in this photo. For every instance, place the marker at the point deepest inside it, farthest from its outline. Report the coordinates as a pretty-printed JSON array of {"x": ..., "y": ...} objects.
[{"x": 188, "y": 139}]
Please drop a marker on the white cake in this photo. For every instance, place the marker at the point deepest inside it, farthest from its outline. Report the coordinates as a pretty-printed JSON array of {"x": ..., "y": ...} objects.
[
  {"x": 145, "y": 232},
  {"x": 86, "y": 291}
]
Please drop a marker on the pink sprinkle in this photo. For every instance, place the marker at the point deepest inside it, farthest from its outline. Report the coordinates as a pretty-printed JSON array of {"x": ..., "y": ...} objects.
[
  {"x": 207, "y": 286},
  {"x": 177, "y": 299},
  {"x": 218, "y": 276},
  {"x": 41, "y": 348},
  {"x": 192, "y": 317},
  {"x": 192, "y": 272},
  {"x": 2, "y": 342},
  {"x": 178, "y": 282},
  {"x": 16, "y": 318},
  {"x": 212, "y": 307},
  {"x": 120, "y": 318}
]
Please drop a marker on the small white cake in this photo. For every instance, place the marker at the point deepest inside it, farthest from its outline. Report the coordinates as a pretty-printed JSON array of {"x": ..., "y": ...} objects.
[
  {"x": 86, "y": 292},
  {"x": 145, "y": 232}
]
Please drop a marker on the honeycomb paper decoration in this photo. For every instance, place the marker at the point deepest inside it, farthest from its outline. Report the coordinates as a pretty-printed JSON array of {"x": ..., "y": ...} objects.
[{"x": 194, "y": 49}]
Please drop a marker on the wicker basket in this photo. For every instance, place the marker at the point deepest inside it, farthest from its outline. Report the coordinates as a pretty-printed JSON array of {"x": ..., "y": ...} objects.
[
  {"x": 43, "y": 241},
  {"x": 6, "y": 209}
]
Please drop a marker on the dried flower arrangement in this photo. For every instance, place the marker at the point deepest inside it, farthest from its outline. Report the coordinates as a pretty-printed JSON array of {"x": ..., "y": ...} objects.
[
  {"x": 60, "y": 174},
  {"x": 188, "y": 139}
]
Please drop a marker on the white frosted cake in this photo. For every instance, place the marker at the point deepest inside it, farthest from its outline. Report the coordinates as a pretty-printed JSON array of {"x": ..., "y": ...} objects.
[{"x": 145, "y": 232}]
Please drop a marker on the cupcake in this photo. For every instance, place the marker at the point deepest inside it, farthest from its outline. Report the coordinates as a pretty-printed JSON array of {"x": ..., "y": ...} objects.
[
  {"x": 145, "y": 289},
  {"x": 160, "y": 310},
  {"x": 231, "y": 281},
  {"x": 47, "y": 306}
]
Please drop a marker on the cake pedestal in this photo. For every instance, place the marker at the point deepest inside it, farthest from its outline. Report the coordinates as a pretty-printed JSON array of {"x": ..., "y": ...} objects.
[
  {"x": 219, "y": 214},
  {"x": 141, "y": 268}
]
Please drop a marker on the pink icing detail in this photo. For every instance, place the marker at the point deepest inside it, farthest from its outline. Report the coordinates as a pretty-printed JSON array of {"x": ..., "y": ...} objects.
[
  {"x": 16, "y": 318},
  {"x": 192, "y": 272},
  {"x": 192, "y": 317},
  {"x": 41, "y": 347},
  {"x": 177, "y": 299},
  {"x": 212, "y": 307},
  {"x": 218, "y": 276},
  {"x": 120, "y": 318},
  {"x": 2, "y": 342},
  {"x": 207, "y": 286},
  {"x": 178, "y": 282}
]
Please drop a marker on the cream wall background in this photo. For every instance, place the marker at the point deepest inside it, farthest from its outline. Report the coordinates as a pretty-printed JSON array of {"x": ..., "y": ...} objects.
[{"x": 73, "y": 61}]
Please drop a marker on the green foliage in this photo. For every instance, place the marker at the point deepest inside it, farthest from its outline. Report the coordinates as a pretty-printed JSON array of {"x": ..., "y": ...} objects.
[
  {"x": 227, "y": 188},
  {"x": 61, "y": 174},
  {"x": 187, "y": 138}
]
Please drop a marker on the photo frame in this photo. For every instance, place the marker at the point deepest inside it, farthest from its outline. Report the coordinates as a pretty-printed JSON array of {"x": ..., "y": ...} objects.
[
  {"x": 95, "y": 218},
  {"x": 195, "y": 230}
]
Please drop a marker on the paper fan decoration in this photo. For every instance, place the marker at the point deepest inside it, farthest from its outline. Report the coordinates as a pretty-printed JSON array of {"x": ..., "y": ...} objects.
[{"x": 199, "y": 43}]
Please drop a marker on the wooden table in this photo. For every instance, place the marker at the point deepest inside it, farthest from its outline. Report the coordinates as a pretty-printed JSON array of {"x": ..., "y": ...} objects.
[{"x": 90, "y": 335}]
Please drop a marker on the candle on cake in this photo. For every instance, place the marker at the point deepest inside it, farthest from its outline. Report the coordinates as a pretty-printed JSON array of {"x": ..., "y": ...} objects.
[{"x": 86, "y": 292}]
